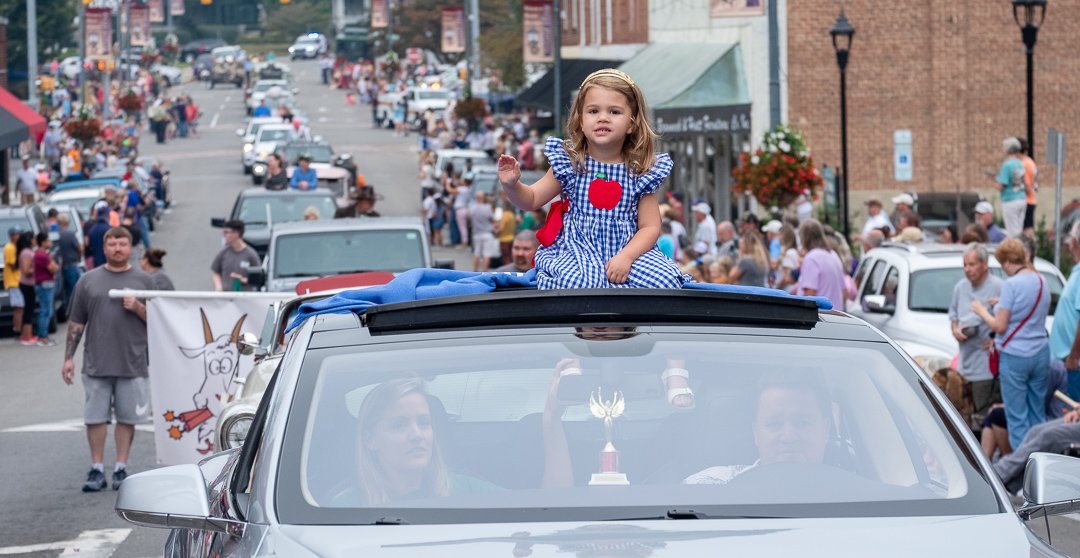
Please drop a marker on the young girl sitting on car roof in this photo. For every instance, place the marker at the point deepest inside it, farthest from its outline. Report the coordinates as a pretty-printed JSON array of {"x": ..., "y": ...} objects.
[{"x": 602, "y": 232}]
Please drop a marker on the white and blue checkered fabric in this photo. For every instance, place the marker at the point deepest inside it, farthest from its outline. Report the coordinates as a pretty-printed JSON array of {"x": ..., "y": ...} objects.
[{"x": 591, "y": 236}]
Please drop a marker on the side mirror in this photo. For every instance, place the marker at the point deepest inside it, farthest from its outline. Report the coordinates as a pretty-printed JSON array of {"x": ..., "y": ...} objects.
[
  {"x": 239, "y": 132},
  {"x": 877, "y": 304},
  {"x": 217, "y": 222},
  {"x": 247, "y": 343},
  {"x": 444, "y": 264},
  {"x": 172, "y": 498},
  {"x": 257, "y": 279},
  {"x": 1051, "y": 485}
]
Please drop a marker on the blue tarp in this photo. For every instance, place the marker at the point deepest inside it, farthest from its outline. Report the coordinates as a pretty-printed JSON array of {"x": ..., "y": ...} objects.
[{"x": 423, "y": 283}]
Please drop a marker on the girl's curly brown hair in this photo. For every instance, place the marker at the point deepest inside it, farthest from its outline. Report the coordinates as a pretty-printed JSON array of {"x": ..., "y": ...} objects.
[{"x": 639, "y": 147}]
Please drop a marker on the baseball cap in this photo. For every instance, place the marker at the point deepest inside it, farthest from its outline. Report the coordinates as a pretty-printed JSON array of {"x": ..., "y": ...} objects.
[
  {"x": 984, "y": 207},
  {"x": 701, "y": 207},
  {"x": 14, "y": 229},
  {"x": 904, "y": 198},
  {"x": 701, "y": 247},
  {"x": 772, "y": 226}
]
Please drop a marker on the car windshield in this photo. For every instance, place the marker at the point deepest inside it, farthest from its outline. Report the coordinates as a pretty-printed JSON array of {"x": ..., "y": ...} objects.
[
  {"x": 318, "y": 153},
  {"x": 7, "y": 222},
  {"x": 274, "y": 134},
  {"x": 319, "y": 254},
  {"x": 264, "y": 86},
  {"x": 931, "y": 289},
  {"x": 283, "y": 208},
  {"x": 307, "y": 41},
  {"x": 617, "y": 423},
  {"x": 432, "y": 94}
]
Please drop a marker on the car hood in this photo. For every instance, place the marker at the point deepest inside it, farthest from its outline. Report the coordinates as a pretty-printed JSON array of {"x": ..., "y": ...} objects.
[
  {"x": 976, "y": 536},
  {"x": 927, "y": 333}
]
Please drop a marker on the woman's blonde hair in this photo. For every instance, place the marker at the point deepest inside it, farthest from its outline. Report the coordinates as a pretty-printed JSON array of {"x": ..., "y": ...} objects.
[
  {"x": 370, "y": 474},
  {"x": 1011, "y": 251},
  {"x": 639, "y": 147},
  {"x": 755, "y": 249}
]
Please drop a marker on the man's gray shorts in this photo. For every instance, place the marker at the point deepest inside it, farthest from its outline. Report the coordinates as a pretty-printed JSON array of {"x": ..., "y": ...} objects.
[{"x": 128, "y": 397}]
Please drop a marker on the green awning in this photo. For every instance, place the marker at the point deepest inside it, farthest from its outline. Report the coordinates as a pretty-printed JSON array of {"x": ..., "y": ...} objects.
[{"x": 693, "y": 88}]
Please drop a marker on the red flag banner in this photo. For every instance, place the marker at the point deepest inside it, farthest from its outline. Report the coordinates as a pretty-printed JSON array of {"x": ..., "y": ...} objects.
[
  {"x": 736, "y": 8},
  {"x": 157, "y": 11},
  {"x": 98, "y": 34},
  {"x": 176, "y": 7},
  {"x": 453, "y": 29},
  {"x": 140, "y": 25},
  {"x": 380, "y": 14},
  {"x": 538, "y": 24}
]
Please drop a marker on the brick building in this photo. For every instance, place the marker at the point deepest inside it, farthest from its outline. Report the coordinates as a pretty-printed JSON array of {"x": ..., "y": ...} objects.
[{"x": 951, "y": 72}]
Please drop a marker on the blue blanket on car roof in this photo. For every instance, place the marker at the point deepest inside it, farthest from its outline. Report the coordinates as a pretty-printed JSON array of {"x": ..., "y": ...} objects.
[{"x": 423, "y": 283}]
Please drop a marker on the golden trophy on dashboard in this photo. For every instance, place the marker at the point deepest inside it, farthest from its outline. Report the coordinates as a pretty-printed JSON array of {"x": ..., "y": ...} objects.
[{"x": 608, "y": 411}]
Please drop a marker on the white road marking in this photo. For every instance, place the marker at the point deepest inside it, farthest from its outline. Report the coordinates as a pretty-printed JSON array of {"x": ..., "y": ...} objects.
[
  {"x": 100, "y": 543},
  {"x": 221, "y": 106},
  {"x": 73, "y": 425},
  {"x": 323, "y": 119},
  {"x": 228, "y": 98},
  {"x": 213, "y": 121},
  {"x": 322, "y": 109}
]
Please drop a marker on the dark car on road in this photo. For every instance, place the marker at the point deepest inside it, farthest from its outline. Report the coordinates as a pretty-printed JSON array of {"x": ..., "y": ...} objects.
[
  {"x": 260, "y": 209},
  {"x": 29, "y": 218},
  {"x": 192, "y": 50},
  {"x": 202, "y": 66}
]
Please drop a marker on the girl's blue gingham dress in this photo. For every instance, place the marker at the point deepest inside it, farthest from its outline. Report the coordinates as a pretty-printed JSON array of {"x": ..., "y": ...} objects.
[{"x": 591, "y": 236}]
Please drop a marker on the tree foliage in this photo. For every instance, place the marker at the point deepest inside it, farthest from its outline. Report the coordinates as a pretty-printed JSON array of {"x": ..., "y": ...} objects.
[
  {"x": 55, "y": 29},
  {"x": 284, "y": 22}
]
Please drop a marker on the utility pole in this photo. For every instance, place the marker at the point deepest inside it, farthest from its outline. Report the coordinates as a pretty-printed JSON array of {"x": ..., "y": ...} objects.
[
  {"x": 557, "y": 113},
  {"x": 774, "y": 64},
  {"x": 167, "y": 6},
  {"x": 82, "y": 52},
  {"x": 474, "y": 41},
  {"x": 31, "y": 52}
]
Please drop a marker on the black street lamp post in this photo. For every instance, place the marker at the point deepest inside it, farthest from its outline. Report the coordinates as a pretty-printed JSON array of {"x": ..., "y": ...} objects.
[
  {"x": 842, "y": 33},
  {"x": 1029, "y": 15}
]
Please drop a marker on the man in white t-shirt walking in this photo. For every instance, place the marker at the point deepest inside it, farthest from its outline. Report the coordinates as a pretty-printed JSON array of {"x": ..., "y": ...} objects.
[{"x": 877, "y": 219}]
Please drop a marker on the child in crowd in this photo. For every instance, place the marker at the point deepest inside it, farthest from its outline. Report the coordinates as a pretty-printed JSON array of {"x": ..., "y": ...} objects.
[{"x": 606, "y": 173}]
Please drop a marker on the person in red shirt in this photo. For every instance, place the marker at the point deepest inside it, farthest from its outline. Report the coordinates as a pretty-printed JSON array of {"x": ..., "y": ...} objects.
[{"x": 45, "y": 269}]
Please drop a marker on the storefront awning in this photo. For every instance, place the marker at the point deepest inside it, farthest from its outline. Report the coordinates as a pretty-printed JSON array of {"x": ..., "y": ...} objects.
[
  {"x": 18, "y": 121},
  {"x": 541, "y": 95},
  {"x": 693, "y": 88}
]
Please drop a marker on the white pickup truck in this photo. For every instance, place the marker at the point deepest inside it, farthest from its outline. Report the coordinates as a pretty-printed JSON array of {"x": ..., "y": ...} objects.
[{"x": 420, "y": 100}]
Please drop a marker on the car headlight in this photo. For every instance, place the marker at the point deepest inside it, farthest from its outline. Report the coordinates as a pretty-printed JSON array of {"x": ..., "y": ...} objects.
[
  {"x": 258, "y": 169},
  {"x": 248, "y": 147},
  {"x": 292, "y": 49},
  {"x": 234, "y": 430},
  {"x": 932, "y": 363}
]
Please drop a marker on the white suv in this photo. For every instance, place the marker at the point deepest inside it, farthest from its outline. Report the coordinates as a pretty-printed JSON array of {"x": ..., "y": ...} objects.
[{"x": 905, "y": 290}]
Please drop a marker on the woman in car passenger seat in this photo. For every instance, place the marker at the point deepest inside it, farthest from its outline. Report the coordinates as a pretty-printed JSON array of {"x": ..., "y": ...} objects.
[{"x": 399, "y": 457}]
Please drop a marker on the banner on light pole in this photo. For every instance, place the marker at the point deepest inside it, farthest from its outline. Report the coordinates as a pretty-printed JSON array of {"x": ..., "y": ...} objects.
[
  {"x": 157, "y": 11},
  {"x": 99, "y": 34},
  {"x": 195, "y": 367},
  {"x": 736, "y": 8},
  {"x": 380, "y": 14},
  {"x": 453, "y": 29},
  {"x": 538, "y": 25},
  {"x": 176, "y": 7},
  {"x": 140, "y": 26}
]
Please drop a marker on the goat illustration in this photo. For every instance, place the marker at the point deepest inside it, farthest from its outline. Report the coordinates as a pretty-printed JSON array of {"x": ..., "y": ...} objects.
[{"x": 220, "y": 364}]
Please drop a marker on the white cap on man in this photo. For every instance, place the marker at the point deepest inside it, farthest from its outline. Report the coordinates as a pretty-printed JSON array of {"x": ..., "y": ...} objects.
[
  {"x": 702, "y": 207},
  {"x": 984, "y": 207},
  {"x": 773, "y": 226},
  {"x": 904, "y": 199}
]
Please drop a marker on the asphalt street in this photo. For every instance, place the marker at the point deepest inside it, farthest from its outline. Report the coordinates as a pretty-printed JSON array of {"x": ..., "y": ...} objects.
[{"x": 43, "y": 450}]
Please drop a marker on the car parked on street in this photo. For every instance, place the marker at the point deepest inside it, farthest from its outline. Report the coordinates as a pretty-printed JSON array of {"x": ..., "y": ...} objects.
[
  {"x": 523, "y": 422},
  {"x": 905, "y": 289},
  {"x": 459, "y": 157},
  {"x": 29, "y": 218},
  {"x": 260, "y": 208}
]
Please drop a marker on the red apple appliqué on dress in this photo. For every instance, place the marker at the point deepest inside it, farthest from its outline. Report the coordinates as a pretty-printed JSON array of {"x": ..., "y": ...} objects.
[{"x": 604, "y": 194}]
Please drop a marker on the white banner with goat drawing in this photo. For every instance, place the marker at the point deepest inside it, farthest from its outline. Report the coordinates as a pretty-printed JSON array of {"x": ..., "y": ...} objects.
[{"x": 194, "y": 366}]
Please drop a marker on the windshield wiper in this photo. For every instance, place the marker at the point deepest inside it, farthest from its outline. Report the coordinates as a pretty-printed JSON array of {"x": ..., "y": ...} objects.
[
  {"x": 390, "y": 521},
  {"x": 686, "y": 513}
]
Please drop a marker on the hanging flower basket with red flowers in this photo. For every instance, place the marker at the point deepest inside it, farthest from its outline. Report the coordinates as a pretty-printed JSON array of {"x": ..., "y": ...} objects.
[
  {"x": 83, "y": 126},
  {"x": 130, "y": 102},
  {"x": 778, "y": 171}
]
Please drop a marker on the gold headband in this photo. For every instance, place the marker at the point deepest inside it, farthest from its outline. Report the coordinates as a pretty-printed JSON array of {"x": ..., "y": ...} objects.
[{"x": 609, "y": 72}]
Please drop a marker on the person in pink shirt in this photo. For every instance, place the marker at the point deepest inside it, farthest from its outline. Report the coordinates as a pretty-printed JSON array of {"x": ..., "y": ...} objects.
[{"x": 821, "y": 273}]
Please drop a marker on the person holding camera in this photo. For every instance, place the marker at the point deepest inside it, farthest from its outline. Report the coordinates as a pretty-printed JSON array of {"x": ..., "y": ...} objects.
[{"x": 971, "y": 331}]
